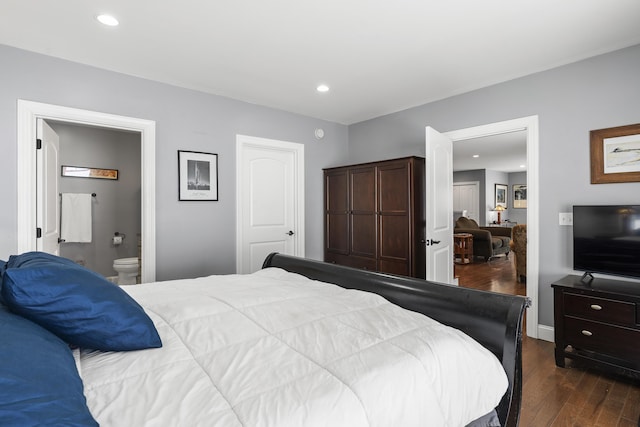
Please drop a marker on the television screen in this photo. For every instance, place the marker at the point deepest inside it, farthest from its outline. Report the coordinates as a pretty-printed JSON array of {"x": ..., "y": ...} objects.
[{"x": 606, "y": 239}]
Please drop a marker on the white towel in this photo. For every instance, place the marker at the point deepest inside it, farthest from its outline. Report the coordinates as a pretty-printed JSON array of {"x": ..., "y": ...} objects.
[{"x": 75, "y": 218}]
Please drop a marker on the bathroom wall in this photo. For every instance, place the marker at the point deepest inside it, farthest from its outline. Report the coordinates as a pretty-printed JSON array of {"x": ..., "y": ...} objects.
[{"x": 116, "y": 207}]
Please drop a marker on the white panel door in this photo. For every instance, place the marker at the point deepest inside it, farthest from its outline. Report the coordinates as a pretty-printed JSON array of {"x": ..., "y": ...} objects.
[
  {"x": 439, "y": 206},
  {"x": 466, "y": 197},
  {"x": 270, "y": 201},
  {"x": 48, "y": 197}
]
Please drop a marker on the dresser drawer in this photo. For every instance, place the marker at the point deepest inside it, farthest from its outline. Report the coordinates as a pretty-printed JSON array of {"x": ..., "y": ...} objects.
[
  {"x": 599, "y": 337},
  {"x": 600, "y": 309}
]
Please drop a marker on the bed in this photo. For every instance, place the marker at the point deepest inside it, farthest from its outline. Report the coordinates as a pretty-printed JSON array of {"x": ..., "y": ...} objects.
[{"x": 283, "y": 346}]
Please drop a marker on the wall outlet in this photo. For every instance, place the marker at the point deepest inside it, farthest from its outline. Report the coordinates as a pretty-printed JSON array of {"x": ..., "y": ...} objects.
[{"x": 566, "y": 218}]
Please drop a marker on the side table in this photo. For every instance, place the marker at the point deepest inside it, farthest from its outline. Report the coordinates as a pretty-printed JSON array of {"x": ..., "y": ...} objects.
[{"x": 463, "y": 248}]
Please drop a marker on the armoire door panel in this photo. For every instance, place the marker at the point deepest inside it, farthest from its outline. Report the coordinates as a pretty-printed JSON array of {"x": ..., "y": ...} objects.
[
  {"x": 393, "y": 184},
  {"x": 394, "y": 267},
  {"x": 337, "y": 233},
  {"x": 394, "y": 236},
  {"x": 337, "y": 195},
  {"x": 363, "y": 190},
  {"x": 363, "y": 234}
]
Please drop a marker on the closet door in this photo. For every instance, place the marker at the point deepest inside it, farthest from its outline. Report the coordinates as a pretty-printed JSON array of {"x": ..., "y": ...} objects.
[
  {"x": 394, "y": 199},
  {"x": 363, "y": 201}
]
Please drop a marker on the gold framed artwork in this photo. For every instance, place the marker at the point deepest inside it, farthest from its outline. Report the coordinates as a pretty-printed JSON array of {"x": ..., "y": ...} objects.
[
  {"x": 615, "y": 154},
  {"x": 86, "y": 172},
  {"x": 519, "y": 196}
]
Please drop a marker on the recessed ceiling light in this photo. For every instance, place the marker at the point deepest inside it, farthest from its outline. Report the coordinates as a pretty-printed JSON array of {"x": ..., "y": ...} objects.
[
  {"x": 107, "y": 20},
  {"x": 323, "y": 88},
  {"x": 475, "y": 156},
  {"x": 522, "y": 166}
]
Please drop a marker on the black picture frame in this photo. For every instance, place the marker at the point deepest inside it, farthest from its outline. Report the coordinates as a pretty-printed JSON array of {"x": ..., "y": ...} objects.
[
  {"x": 197, "y": 176},
  {"x": 501, "y": 191}
]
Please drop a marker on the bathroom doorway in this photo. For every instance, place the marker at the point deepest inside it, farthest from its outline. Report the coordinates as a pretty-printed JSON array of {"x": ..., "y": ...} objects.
[
  {"x": 144, "y": 130},
  {"x": 114, "y": 207}
]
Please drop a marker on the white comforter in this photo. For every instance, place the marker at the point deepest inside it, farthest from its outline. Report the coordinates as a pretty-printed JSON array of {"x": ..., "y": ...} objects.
[{"x": 277, "y": 349}]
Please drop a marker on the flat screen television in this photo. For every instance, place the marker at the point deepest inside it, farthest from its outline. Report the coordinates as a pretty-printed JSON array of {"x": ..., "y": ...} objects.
[{"x": 606, "y": 239}]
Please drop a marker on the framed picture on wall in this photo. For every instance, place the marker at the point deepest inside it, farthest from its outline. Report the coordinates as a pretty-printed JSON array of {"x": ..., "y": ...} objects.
[
  {"x": 520, "y": 196},
  {"x": 501, "y": 195},
  {"x": 197, "y": 176},
  {"x": 615, "y": 154}
]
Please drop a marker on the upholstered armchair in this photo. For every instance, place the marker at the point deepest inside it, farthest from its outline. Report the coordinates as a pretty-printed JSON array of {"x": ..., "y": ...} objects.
[
  {"x": 519, "y": 247},
  {"x": 488, "y": 242}
]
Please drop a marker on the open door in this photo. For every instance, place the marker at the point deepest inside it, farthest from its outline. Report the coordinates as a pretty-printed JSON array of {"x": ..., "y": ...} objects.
[
  {"x": 48, "y": 196},
  {"x": 439, "y": 206}
]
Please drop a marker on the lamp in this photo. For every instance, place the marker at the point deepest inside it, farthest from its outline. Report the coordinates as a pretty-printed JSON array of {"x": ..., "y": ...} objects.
[{"x": 499, "y": 209}]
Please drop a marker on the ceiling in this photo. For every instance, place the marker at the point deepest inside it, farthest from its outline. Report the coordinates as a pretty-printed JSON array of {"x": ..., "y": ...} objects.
[
  {"x": 505, "y": 152},
  {"x": 377, "y": 56}
]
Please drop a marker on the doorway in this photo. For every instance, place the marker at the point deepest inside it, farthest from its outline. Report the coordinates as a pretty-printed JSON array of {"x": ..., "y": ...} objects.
[
  {"x": 530, "y": 126},
  {"x": 28, "y": 115},
  {"x": 114, "y": 204}
]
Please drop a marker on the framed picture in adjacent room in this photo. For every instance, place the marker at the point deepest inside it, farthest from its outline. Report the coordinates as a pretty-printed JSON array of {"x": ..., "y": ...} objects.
[
  {"x": 197, "y": 176},
  {"x": 520, "y": 196},
  {"x": 501, "y": 195}
]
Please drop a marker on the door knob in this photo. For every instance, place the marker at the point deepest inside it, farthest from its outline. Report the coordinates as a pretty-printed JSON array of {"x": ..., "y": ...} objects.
[
  {"x": 290, "y": 233},
  {"x": 431, "y": 242}
]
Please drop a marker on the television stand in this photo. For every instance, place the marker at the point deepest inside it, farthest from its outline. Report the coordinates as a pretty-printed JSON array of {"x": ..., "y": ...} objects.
[{"x": 598, "y": 323}]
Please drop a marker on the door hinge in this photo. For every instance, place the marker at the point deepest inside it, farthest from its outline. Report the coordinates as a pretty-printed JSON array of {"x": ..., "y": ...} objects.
[
  {"x": 38, "y": 232},
  {"x": 38, "y": 144}
]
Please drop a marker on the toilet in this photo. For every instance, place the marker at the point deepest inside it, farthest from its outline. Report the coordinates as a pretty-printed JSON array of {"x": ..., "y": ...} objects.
[{"x": 127, "y": 269}]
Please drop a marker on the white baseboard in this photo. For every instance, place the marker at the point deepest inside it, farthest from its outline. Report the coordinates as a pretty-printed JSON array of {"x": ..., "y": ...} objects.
[{"x": 546, "y": 333}]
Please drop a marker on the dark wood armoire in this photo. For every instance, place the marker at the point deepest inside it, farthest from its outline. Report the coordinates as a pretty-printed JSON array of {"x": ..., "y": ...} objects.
[{"x": 374, "y": 216}]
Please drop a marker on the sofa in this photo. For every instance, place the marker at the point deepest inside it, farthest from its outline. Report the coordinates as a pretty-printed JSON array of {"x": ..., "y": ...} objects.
[
  {"x": 488, "y": 242},
  {"x": 519, "y": 247}
]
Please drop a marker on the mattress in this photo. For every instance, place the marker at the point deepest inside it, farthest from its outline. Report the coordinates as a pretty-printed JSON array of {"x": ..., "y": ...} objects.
[{"x": 274, "y": 348}]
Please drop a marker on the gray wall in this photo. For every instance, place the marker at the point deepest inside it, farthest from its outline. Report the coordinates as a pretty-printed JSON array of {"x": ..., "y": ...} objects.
[
  {"x": 491, "y": 179},
  {"x": 597, "y": 93},
  {"x": 518, "y": 215},
  {"x": 116, "y": 207},
  {"x": 193, "y": 238}
]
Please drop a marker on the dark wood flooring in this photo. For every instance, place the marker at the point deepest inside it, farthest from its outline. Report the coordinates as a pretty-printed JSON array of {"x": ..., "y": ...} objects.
[{"x": 552, "y": 396}]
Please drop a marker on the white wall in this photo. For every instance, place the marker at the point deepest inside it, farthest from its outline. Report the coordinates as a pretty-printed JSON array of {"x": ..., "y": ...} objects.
[{"x": 193, "y": 238}]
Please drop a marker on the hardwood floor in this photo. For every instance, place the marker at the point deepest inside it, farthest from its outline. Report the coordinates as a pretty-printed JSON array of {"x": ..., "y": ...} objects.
[{"x": 552, "y": 396}]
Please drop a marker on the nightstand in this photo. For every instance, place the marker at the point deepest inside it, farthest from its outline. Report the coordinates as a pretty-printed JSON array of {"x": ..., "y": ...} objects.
[{"x": 598, "y": 323}]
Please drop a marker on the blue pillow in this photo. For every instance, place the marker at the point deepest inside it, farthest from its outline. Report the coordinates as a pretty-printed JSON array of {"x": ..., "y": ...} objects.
[
  {"x": 76, "y": 304},
  {"x": 39, "y": 382},
  {"x": 38, "y": 259}
]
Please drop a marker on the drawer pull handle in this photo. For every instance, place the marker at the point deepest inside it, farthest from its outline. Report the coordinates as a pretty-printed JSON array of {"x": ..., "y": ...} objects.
[
  {"x": 586, "y": 333},
  {"x": 596, "y": 307}
]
